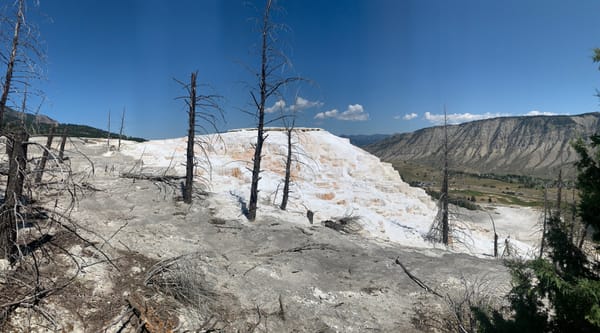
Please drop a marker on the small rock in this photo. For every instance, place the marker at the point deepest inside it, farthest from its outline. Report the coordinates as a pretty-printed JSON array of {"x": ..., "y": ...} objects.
[
  {"x": 4, "y": 265},
  {"x": 217, "y": 221}
]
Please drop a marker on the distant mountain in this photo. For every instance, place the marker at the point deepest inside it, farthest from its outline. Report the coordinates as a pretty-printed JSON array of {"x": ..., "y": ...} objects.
[
  {"x": 41, "y": 124},
  {"x": 527, "y": 145},
  {"x": 363, "y": 140}
]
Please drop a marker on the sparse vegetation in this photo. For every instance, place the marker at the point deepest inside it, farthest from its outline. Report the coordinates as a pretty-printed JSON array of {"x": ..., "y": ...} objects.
[
  {"x": 206, "y": 109},
  {"x": 463, "y": 201},
  {"x": 526, "y": 191}
]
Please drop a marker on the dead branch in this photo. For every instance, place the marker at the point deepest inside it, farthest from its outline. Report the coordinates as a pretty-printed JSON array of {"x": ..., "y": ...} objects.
[
  {"x": 417, "y": 280},
  {"x": 155, "y": 178},
  {"x": 348, "y": 224},
  {"x": 299, "y": 249}
]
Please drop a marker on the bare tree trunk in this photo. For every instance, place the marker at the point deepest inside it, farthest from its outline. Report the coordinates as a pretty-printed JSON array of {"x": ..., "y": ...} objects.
[
  {"x": 545, "y": 221},
  {"x": 573, "y": 218},
  {"x": 559, "y": 194},
  {"x": 288, "y": 168},
  {"x": 495, "y": 236},
  {"x": 189, "y": 165},
  {"x": 23, "y": 113},
  {"x": 445, "y": 227},
  {"x": 12, "y": 195},
  {"x": 9, "y": 142},
  {"x": 42, "y": 165},
  {"x": 63, "y": 141},
  {"x": 121, "y": 129},
  {"x": 495, "y": 245},
  {"x": 253, "y": 204},
  {"x": 11, "y": 62},
  {"x": 260, "y": 138},
  {"x": 108, "y": 134}
]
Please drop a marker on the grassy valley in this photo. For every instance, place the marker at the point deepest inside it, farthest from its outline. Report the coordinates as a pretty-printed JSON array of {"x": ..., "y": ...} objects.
[{"x": 474, "y": 188}]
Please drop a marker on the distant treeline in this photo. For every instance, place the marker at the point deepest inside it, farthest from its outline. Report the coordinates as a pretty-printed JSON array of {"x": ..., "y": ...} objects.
[
  {"x": 35, "y": 126},
  {"x": 464, "y": 202},
  {"x": 524, "y": 181},
  {"x": 85, "y": 131}
]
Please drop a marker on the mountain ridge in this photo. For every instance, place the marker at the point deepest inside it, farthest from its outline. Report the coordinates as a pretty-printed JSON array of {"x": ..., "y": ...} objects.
[{"x": 522, "y": 145}]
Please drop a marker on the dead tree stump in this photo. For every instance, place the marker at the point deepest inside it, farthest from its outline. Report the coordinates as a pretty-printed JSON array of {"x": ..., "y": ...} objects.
[
  {"x": 63, "y": 141},
  {"x": 310, "y": 215},
  {"x": 13, "y": 194},
  {"x": 42, "y": 165}
]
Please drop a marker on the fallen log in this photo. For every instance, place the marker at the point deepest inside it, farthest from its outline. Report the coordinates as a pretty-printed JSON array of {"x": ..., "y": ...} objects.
[{"x": 151, "y": 318}]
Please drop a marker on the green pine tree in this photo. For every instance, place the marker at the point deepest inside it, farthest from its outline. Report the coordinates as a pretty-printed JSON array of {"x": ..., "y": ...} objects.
[{"x": 560, "y": 292}]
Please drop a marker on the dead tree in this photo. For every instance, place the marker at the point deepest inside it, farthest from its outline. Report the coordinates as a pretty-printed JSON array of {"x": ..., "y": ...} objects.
[
  {"x": 440, "y": 230},
  {"x": 121, "y": 129},
  {"x": 444, "y": 197},
  {"x": 63, "y": 141},
  {"x": 42, "y": 164},
  {"x": 23, "y": 57},
  {"x": 35, "y": 126},
  {"x": 12, "y": 196},
  {"x": 495, "y": 235},
  {"x": 189, "y": 163},
  {"x": 269, "y": 84},
  {"x": 12, "y": 59},
  {"x": 108, "y": 133},
  {"x": 544, "y": 222},
  {"x": 289, "y": 130},
  {"x": 559, "y": 194},
  {"x": 200, "y": 107},
  {"x": 35, "y": 230},
  {"x": 23, "y": 114}
]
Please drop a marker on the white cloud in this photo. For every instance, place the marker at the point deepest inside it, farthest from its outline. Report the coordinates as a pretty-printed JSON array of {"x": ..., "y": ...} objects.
[
  {"x": 278, "y": 106},
  {"x": 355, "y": 112},
  {"x": 539, "y": 113},
  {"x": 408, "y": 116},
  {"x": 327, "y": 114},
  {"x": 457, "y": 118},
  {"x": 302, "y": 104},
  {"x": 299, "y": 104}
]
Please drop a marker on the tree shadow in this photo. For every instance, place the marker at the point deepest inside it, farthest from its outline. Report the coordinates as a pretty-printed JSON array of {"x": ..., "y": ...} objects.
[
  {"x": 243, "y": 205},
  {"x": 35, "y": 244}
]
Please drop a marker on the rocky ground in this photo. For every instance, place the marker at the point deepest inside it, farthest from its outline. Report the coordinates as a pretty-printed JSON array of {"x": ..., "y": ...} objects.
[{"x": 157, "y": 262}]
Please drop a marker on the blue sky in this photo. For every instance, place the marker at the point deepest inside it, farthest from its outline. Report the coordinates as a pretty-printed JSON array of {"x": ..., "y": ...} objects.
[{"x": 376, "y": 66}]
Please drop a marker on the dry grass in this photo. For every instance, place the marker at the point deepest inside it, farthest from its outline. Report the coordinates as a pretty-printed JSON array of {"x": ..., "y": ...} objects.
[
  {"x": 237, "y": 173},
  {"x": 186, "y": 280},
  {"x": 456, "y": 313},
  {"x": 326, "y": 196}
]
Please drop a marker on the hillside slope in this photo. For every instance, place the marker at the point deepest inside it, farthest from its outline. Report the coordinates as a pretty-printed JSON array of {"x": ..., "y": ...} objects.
[
  {"x": 364, "y": 140},
  {"x": 537, "y": 145},
  {"x": 41, "y": 124}
]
